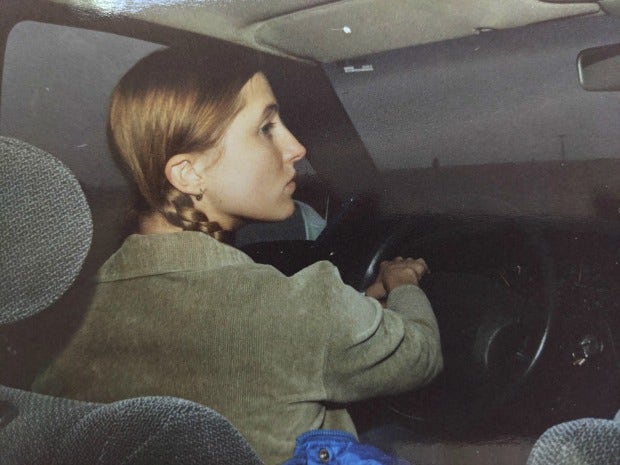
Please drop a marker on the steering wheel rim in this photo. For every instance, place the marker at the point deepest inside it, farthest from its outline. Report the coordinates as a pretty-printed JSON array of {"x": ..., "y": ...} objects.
[{"x": 502, "y": 337}]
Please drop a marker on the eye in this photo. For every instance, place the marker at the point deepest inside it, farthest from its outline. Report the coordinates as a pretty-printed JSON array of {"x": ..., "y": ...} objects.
[{"x": 266, "y": 129}]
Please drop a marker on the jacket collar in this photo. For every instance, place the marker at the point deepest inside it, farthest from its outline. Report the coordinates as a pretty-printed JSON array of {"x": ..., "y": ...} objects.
[{"x": 152, "y": 254}]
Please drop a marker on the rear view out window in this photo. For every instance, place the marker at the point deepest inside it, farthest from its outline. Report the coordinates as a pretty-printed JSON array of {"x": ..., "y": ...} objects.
[{"x": 55, "y": 89}]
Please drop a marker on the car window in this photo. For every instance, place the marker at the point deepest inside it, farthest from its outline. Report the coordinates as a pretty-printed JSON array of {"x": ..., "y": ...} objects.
[{"x": 55, "y": 89}]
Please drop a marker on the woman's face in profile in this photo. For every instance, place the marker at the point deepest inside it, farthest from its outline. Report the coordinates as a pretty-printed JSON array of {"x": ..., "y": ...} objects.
[{"x": 253, "y": 178}]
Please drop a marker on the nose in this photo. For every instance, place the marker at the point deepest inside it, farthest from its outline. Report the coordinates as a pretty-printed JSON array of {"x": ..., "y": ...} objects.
[{"x": 292, "y": 151}]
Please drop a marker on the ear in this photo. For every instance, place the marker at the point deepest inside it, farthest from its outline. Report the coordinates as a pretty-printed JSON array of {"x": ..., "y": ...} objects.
[{"x": 183, "y": 175}]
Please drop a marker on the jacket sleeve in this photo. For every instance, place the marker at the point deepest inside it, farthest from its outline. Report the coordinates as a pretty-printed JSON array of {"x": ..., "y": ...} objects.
[{"x": 374, "y": 351}]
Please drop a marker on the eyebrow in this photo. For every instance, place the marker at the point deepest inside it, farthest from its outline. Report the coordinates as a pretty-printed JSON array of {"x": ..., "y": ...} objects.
[{"x": 270, "y": 110}]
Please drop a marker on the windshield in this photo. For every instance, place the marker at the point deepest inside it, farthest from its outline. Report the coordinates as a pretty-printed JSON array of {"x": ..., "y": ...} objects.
[{"x": 493, "y": 123}]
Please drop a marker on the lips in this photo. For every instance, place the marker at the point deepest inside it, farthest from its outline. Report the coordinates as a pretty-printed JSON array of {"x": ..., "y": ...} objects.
[{"x": 291, "y": 185}]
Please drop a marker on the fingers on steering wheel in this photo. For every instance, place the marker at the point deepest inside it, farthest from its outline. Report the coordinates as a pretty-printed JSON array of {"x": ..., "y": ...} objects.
[
  {"x": 419, "y": 269},
  {"x": 420, "y": 265},
  {"x": 417, "y": 266}
]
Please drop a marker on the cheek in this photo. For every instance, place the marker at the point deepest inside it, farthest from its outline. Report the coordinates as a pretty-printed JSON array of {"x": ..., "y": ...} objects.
[
  {"x": 248, "y": 179},
  {"x": 259, "y": 171},
  {"x": 245, "y": 183}
]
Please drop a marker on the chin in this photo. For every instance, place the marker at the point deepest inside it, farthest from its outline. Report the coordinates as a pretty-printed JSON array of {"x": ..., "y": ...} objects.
[
  {"x": 285, "y": 212},
  {"x": 283, "y": 216}
]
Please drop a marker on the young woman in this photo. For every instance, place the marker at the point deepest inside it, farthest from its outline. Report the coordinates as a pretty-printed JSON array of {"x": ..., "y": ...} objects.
[{"x": 178, "y": 312}]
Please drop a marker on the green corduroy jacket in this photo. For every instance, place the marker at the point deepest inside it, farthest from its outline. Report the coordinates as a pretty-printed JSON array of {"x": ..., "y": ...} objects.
[{"x": 183, "y": 315}]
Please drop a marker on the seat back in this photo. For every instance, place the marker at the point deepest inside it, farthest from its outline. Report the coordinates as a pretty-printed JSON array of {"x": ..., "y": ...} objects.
[
  {"x": 46, "y": 232},
  {"x": 587, "y": 441}
]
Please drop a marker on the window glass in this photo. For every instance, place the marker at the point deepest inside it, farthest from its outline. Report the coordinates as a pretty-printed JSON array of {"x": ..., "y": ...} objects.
[{"x": 55, "y": 89}]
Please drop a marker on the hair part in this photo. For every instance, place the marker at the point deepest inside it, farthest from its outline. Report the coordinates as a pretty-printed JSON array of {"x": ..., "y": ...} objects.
[{"x": 173, "y": 102}]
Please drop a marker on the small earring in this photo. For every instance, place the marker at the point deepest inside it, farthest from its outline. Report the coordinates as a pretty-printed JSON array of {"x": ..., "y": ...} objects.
[{"x": 199, "y": 196}]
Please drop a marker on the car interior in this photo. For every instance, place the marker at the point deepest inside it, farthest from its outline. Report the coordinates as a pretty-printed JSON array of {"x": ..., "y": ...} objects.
[{"x": 480, "y": 135}]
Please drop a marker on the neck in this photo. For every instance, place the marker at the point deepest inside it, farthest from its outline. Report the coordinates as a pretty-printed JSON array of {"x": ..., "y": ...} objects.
[{"x": 155, "y": 223}]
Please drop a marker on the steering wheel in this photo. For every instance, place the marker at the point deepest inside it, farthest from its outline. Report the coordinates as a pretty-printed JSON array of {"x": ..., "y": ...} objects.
[{"x": 492, "y": 289}]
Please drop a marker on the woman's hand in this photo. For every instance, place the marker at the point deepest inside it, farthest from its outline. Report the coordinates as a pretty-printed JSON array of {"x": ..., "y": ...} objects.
[{"x": 395, "y": 273}]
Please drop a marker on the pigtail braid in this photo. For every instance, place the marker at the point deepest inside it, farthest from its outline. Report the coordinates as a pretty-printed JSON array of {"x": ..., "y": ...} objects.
[{"x": 185, "y": 215}]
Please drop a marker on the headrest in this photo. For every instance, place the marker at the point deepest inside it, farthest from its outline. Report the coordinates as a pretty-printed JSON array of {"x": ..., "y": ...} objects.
[{"x": 45, "y": 229}]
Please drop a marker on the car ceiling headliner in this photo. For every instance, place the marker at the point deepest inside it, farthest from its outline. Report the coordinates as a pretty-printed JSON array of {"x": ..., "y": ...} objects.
[{"x": 327, "y": 31}]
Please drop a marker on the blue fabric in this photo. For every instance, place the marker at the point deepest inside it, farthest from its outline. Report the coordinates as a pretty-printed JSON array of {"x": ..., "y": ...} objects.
[{"x": 320, "y": 447}]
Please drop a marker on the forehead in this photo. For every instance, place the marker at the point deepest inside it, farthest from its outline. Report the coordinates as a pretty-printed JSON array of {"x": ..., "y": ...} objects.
[{"x": 257, "y": 94}]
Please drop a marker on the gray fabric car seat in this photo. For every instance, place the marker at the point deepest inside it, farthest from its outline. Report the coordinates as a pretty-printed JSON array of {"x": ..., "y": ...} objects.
[
  {"x": 45, "y": 231},
  {"x": 587, "y": 441}
]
